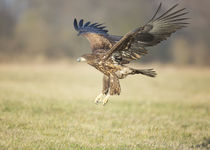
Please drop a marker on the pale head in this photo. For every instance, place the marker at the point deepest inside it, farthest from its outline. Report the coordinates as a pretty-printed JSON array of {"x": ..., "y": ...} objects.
[
  {"x": 89, "y": 58},
  {"x": 81, "y": 59}
]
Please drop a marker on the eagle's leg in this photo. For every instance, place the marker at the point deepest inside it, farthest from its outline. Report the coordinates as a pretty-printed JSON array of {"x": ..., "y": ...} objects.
[
  {"x": 99, "y": 98},
  {"x": 106, "y": 84},
  {"x": 114, "y": 85},
  {"x": 105, "y": 100},
  {"x": 105, "y": 90},
  {"x": 114, "y": 88}
]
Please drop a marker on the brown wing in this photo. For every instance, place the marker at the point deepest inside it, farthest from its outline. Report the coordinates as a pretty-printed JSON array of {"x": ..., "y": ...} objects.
[
  {"x": 96, "y": 34},
  {"x": 131, "y": 46}
]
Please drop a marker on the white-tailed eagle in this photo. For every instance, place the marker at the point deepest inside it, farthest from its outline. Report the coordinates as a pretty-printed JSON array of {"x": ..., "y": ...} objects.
[{"x": 111, "y": 53}]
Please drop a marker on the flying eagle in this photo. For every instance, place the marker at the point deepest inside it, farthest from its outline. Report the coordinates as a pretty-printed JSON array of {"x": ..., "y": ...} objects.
[{"x": 111, "y": 53}]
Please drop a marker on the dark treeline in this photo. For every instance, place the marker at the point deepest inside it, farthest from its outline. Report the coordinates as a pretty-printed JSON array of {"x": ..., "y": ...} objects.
[{"x": 32, "y": 30}]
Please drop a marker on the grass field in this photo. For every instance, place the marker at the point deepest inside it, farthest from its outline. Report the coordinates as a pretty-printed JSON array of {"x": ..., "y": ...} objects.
[{"x": 52, "y": 107}]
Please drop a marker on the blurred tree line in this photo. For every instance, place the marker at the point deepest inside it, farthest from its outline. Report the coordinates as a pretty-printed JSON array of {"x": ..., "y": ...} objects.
[{"x": 34, "y": 30}]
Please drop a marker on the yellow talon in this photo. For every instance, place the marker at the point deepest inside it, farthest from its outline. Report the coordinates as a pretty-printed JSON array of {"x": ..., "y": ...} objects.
[
  {"x": 99, "y": 98},
  {"x": 105, "y": 100}
]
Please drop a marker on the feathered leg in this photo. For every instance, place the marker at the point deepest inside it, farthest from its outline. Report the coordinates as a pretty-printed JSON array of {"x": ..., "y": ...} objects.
[
  {"x": 106, "y": 85},
  {"x": 114, "y": 88},
  {"x": 114, "y": 85}
]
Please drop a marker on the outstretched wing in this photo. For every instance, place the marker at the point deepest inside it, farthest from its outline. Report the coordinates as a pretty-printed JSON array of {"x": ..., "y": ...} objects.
[
  {"x": 96, "y": 34},
  {"x": 132, "y": 45}
]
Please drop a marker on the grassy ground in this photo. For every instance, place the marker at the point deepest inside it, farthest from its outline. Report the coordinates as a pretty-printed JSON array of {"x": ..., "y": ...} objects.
[{"x": 52, "y": 107}]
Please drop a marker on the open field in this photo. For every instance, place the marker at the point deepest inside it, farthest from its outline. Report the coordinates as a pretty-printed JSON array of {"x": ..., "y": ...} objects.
[{"x": 52, "y": 107}]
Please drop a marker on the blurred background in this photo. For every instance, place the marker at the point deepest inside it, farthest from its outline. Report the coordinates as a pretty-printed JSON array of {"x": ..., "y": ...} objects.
[{"x": 37, "y": 30}]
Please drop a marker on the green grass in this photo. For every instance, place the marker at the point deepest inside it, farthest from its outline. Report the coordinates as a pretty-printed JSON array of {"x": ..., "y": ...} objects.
[{"x": 52, "y": 107}]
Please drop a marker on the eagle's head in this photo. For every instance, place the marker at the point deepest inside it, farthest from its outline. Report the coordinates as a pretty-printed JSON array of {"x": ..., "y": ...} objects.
[
  {"x": 89, "y": 58},
  {"x": 80, "y": 59}
]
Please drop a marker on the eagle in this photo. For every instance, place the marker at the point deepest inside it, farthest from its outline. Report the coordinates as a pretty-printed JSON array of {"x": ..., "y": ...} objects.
[{"x": 111, "y": 53}]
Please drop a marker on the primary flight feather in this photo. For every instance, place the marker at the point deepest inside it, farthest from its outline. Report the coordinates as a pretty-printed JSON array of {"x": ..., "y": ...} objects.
[{"x": 110, "y": 53}]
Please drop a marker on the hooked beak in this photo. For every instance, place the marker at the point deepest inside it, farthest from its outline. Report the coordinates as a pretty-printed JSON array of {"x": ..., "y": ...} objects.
[{"x": 80, "y": 59}]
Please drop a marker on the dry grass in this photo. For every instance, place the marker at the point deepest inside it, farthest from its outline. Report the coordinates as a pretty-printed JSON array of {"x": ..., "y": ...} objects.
[{"x": 51, "y": 107}]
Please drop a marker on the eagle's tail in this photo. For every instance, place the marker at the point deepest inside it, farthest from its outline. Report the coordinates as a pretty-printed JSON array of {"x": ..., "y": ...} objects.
[{"x": 147, "y": 72}]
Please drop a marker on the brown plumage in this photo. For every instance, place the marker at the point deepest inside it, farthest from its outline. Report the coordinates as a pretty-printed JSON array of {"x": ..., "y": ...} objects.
[{"x": 110, "y": 53}]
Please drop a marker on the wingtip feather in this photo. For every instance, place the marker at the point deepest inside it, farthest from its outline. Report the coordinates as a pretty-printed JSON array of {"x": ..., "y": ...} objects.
[
  {"x": 88, "y": 27},
  {"x": 159, "y": 7},
  {"x": 169, "y": 10},
  {"x": 75, "y": 24},
  {"x": 81, "y": 23}
]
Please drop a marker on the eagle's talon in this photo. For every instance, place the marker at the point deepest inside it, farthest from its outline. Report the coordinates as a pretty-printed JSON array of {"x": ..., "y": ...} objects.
[
  {"x": 105, "y": 100},
  {"x": 99, "y": 98}
]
